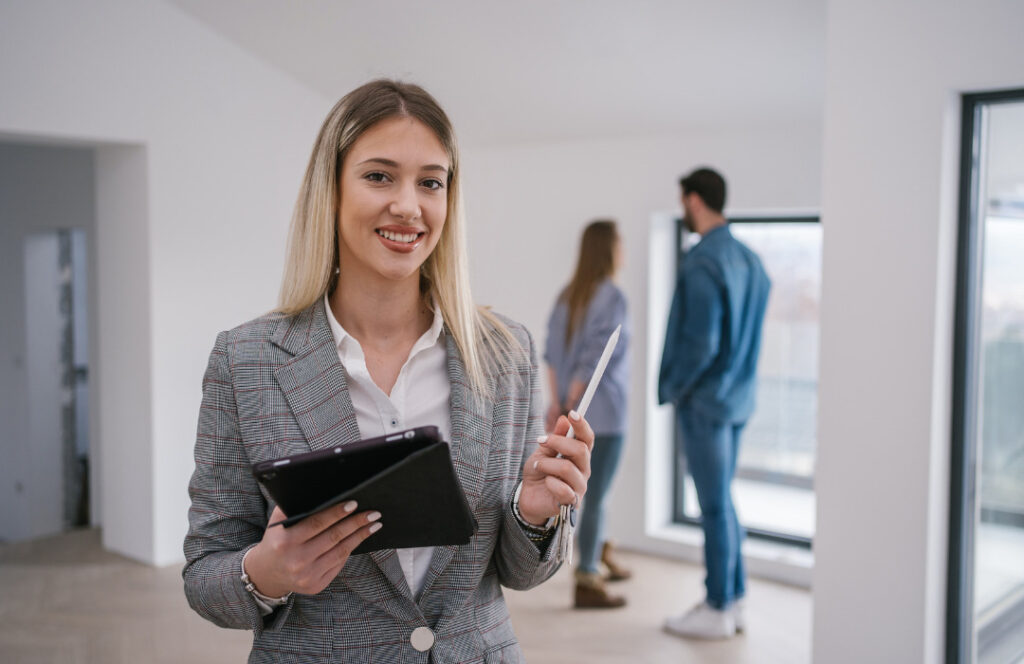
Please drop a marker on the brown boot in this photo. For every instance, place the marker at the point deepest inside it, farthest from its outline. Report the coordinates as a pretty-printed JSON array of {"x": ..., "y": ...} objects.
[
  {"x": 616, "y": 572},
  {"x": 591, "y": 593}
]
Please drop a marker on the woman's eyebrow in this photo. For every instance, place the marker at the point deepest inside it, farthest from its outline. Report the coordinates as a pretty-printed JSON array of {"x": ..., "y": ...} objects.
[
  {"x": 379, "y": 160},
  {"x": 394, "y": 164}
]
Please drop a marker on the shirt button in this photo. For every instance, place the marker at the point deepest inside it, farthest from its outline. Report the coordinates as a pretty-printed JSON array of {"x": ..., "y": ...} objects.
[{"x": 422, "y": 639}]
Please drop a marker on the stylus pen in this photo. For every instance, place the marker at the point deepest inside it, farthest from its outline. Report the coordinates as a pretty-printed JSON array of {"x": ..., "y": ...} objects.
[
  {"x": 567, "y": 513},
  {"x": 602, "y": 364}
]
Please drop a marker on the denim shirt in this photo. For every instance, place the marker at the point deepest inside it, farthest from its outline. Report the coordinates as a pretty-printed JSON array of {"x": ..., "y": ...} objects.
[
  {"x": 578, "y": 359},
  {"x": 714, "y": 329}
]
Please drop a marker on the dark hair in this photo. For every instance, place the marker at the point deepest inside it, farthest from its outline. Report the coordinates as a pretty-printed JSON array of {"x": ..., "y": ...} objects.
[
  {"x": 707, "y": 184},
  {"x": 596, "y": 263}
]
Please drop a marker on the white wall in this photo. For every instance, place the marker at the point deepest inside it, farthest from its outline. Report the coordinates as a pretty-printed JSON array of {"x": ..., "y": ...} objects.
[
  {"x": 527, "y": 204},
  {"x": 526, "y": 207},
  {"x": 42, "y": 189},
  {"x": 894, "y": 73},
  {"x": 217, "y": 142},
  {"x": 122, "y": 368}
]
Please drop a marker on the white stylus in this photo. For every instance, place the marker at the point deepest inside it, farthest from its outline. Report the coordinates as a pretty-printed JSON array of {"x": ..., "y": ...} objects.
[
  {"x": 567, "y": 513},
  {"x": 602, "y": 364}
]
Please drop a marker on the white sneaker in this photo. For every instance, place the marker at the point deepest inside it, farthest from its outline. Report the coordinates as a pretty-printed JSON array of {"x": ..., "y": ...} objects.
[
  {"x": 739, "y": 614},
  {"x": 703, "y": 622}
]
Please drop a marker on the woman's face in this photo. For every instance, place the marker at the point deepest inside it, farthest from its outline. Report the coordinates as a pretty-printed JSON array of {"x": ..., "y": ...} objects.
[{"x": 393, "y": 200}]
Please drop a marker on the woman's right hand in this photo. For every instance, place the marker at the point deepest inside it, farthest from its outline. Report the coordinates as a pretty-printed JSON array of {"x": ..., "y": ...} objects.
[{"x": 306, "y": 557}]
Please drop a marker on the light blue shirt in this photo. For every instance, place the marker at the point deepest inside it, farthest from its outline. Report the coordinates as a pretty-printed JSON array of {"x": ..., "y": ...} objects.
[
  {"x": 578, "y": 359},
  {"x": 714, "y": 329}
]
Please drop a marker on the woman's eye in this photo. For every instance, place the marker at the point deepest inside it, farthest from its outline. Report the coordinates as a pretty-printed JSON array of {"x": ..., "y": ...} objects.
[
  {"x": 376, "y": 177},
  {"x": 433, "y": 184}
]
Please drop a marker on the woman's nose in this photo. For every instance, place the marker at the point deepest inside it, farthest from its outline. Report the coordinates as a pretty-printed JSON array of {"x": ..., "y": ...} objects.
[{"x": 405, "y": 205}]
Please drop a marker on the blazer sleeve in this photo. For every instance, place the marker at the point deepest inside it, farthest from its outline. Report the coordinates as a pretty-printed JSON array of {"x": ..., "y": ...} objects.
[
  {"x": 522, "y": 564},
  {"x": 556, "y": 330},
  {"x": 228, "y": 513}
]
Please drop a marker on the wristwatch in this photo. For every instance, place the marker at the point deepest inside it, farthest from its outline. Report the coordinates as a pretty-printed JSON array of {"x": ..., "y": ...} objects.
[{"x": 534, "y": 533}]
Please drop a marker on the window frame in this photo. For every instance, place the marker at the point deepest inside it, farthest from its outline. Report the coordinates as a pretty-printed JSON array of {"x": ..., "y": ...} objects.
[
  {"x": 679, "y": 515},
  {"x": 966, "y": 358}
]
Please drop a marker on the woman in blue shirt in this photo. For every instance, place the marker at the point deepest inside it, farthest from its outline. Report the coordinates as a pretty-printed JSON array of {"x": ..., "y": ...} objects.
[{"x": 585, "y": 314}]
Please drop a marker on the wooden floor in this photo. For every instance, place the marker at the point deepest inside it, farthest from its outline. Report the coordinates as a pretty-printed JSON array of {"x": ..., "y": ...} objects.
[{"x": 64, "y": 599}]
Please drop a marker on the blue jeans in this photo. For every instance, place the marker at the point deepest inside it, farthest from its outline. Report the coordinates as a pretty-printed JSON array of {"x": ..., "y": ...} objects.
[
  {"x": 604, "y": 461},
  {"x": 711, "y": 449}
]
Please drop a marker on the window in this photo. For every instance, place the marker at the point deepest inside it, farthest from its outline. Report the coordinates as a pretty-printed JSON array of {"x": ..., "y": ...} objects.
[
  {"x": 986, "y": 564},
  {"x": 773, "y": 488}
]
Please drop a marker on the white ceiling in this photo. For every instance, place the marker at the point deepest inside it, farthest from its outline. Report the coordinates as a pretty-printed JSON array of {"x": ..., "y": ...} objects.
[{"x": 533, "y": 70}]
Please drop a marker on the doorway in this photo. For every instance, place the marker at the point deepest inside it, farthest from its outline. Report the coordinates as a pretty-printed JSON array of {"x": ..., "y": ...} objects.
[{"x": 47, "y": 213}]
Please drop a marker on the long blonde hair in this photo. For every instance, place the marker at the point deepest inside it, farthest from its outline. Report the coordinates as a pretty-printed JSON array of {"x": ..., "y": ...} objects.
[
  {"x": 312, "y": 258},
  {"x": 596, "y": 263}
]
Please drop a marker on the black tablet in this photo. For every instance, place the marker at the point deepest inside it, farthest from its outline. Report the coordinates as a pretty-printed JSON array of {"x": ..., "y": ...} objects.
[{"x": 407, "y": 476}]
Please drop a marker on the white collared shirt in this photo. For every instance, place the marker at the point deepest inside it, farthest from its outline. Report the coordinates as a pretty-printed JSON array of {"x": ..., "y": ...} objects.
[{"x": 420, "y": 397}]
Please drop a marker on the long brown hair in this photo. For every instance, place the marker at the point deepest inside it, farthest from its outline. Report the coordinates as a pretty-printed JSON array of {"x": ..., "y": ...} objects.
[
  {"x": 312, "y": 258},
  {"x": 596, "y": 263}
]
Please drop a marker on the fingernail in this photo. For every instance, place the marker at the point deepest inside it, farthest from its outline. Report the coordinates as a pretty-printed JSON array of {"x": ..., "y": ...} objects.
[
  {"x": 373, "y": 516},
  {"x": 573, "y": 415},
  {"x": 542, "y": 439},
  {"x": 375, "y": 527},
  {"x": 535, "y": 464},
  {"x": 350, "y": 505}
]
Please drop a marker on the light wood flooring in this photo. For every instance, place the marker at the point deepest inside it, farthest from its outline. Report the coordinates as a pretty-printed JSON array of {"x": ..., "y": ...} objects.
[{"x": 65, "y": 600}]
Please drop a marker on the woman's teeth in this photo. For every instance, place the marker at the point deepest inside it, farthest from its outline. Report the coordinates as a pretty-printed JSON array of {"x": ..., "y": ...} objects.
[{"x": 398, "y": 237}]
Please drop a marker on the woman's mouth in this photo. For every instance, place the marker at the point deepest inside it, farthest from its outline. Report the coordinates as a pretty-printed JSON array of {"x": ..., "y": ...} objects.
[
  {"x": 405, "y": 238},
  {"x": 400, "y": 240}
]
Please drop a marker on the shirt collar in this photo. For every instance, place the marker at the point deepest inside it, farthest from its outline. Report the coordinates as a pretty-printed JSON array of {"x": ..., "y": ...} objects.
[
  {"x": 347, "y": 343},
  {"x": 718, "y": 230}
]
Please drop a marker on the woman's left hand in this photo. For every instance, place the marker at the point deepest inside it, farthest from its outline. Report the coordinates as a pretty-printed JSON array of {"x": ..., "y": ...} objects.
[{"x": 550, "y": 482}]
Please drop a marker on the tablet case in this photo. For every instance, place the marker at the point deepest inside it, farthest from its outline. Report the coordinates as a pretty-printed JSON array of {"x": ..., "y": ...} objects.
[{"x": 407, "y": 476}]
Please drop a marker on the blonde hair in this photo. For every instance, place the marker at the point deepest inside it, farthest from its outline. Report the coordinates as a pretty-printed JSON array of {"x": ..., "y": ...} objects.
[
  {"x": 595, "y": 264},
  {"x": 312, "y": 256}
]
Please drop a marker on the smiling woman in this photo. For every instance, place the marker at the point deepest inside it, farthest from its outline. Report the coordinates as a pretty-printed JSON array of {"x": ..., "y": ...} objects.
[
  {"x": 377, "y": 333},
  {"x": 393, "y": 203}
]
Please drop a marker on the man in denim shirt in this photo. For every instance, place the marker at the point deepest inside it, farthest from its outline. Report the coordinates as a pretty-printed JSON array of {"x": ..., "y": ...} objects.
[{"x": 708, "y": 371}]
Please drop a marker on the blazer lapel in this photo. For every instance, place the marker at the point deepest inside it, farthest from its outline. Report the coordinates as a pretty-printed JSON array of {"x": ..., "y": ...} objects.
[
  {"x": 472, "y": 424},
  {"x": 316, "y": 389},
  {"x": 314, "y": 382},
  {"x": 471, "y": 427}
]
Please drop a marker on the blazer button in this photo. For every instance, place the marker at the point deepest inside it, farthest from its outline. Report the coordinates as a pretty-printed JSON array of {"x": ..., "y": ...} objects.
[{"x": 422, "y": 639}]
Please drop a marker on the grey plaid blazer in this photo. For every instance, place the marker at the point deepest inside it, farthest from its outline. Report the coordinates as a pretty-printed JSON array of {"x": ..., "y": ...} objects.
[{"x": 273, "y": 387}]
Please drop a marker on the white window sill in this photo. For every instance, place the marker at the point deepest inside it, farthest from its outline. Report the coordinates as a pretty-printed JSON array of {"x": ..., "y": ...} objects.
[{"x": 773, "y": 561}]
